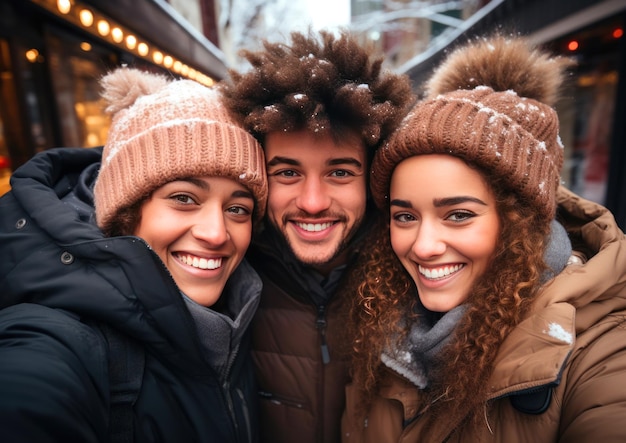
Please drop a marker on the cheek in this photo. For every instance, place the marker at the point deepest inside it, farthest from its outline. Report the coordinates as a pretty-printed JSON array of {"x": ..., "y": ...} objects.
[
  {"x": 481, "y": 245},
  {"x": 400, "y": 241},
  {"x": 353, "y": 199},
  {"x": 277, "y": 198},
  {"x": 241, "y": 235},
  {"x": 145, "y": 229}
]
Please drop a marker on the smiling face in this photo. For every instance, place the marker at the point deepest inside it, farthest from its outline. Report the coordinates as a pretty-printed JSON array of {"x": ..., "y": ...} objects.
[
  {"x": 444, "y": 227},
  {"x": 317, "y": 193},
  {"x": 200, "y": 228}
]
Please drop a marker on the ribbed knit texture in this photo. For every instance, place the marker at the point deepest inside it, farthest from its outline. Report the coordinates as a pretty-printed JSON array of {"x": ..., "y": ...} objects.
[
  {"x": 181, "y": 130},
  {"x": 501, "y": 132}
]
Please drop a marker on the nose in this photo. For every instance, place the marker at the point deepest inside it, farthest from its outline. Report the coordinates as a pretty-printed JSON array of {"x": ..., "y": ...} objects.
[
  {"x": 210, "y": 227},
  {"x": 314, "y": 197},
  {"x": 429, "y": 241}
]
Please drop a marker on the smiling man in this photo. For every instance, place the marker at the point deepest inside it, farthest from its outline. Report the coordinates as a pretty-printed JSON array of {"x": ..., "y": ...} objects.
[
  {"x": 320, "y": 106},
  {"x": 318, "y": 187}
]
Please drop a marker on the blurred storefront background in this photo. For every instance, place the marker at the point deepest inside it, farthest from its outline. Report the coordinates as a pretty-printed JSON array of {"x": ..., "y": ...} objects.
[
  {"x": 593, "y": 110},
  {"x": 52, "y": 54}
]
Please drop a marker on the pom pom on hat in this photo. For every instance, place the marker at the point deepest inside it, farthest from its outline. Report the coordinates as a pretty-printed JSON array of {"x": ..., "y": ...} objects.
[
  {"x": 489, "y": 104},
  {"x": 164, "y": 130}
]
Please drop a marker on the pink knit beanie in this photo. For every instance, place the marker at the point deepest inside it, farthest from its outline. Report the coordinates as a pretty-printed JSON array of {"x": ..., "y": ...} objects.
[
  {"x": 163, "y": 130},
  {"x": 490, "y": 105}
]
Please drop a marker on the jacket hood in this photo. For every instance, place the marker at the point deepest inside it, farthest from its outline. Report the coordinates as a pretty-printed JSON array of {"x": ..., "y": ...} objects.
[
  {"x": 598, "y": 287},
  {"x": 55, "y": 255},
  {"x": 570, "y": 304}
]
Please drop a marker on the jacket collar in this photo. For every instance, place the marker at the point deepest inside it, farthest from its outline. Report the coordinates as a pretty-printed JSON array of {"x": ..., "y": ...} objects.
[
  {"x": 221, "y": 332},
  {"x": 535, "y": 352}
]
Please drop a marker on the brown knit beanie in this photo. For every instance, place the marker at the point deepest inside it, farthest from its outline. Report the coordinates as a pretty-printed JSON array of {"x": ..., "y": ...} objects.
[
  {"x": 490, "y": 105},
  {"x": 164, "y": 130}
]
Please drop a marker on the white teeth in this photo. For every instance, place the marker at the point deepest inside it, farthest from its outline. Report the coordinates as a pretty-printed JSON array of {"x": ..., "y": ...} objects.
[
  {"x": 434, "y": 274},
  {"x": 314, "y": 227},
  {"x": 201, "y": 263}
]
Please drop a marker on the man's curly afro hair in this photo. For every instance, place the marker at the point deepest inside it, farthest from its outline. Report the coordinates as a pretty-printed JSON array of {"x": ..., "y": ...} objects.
[{"x": 326, "y": 84}]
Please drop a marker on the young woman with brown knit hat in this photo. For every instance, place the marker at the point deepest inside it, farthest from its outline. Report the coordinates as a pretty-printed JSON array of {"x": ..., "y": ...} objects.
[
  {"x": 471, "y": 323},
  {"x": 129, "y": 323}
]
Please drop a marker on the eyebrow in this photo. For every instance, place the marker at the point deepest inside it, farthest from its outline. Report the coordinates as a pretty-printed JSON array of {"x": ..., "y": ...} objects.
[
  {"x": 333, "y": 162},
  {"x": 195, "y": 181},
  {"x": 345, "y": 161},
  {"x": 451, "y": 201},
  {"x": 280, "y": 160},
  {"x": 440, "y": 202},
  {"x": 243, "y": 194},
  {"x": 401, "y": 203}
]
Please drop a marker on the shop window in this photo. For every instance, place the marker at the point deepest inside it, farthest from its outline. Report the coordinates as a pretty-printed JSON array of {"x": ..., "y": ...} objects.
[
  {"x": 5, "y": 162},
  {"x": 592, "y": 144},
  {"x": 76, "y": 67},
  {"x": 8, "y": 115},
  {"x": 587, "y": 113}
]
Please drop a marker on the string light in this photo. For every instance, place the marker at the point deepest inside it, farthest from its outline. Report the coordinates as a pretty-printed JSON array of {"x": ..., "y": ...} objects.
[
  {"x": 64, "y": 6},
  {"x": 74, "y": 12}
]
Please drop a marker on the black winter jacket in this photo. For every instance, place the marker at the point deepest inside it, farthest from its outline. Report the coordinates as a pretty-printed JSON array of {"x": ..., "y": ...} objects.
[{"x": 66, "y": 276}]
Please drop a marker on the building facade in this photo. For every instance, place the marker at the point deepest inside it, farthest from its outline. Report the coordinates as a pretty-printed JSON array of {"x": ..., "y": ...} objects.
[
  {"x": 593, "y": 109},
  {"x": 53, "y": 53}
]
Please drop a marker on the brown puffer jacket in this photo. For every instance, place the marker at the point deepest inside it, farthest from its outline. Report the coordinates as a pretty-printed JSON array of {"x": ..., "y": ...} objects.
[
  {"x": 559, "y": 376},
  {"x": 299, "y": 350}
]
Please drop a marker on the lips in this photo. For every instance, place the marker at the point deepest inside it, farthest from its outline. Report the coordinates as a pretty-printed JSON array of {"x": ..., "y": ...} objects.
[
  {"x": 314, "y": 227},
  {"x": 439, "y": 272},
  {"x": 200, "y": 262}
]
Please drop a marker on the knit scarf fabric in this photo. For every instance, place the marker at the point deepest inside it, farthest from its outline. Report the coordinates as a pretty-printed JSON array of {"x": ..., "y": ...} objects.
[
  {"x": 413, "y": 356},
  {"x": 221, "y": 332}
]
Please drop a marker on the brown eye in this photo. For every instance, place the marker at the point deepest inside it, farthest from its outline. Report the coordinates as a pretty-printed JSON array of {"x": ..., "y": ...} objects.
[
  {"x": 460, "y": 216},
  {"x": 183, "y": 198},
  {"x": 287, "y": 173},
  {"x": 403, "y": 217},
  {"x": 238, "y": 210}
]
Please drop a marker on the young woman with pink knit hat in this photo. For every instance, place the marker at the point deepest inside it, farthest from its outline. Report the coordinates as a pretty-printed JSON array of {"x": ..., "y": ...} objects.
[
  {"x": 130, "y": 322},
  {"x": 474, "y": 321}
]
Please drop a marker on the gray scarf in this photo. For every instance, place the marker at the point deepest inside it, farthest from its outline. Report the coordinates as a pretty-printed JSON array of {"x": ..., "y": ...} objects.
[
  {"x": 221, "y": 332},
  {"x": 413, "y": 357}
]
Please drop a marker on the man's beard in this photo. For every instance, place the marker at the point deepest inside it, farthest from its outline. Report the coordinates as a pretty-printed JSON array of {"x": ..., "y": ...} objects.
[{"x": 339, "y": 250}]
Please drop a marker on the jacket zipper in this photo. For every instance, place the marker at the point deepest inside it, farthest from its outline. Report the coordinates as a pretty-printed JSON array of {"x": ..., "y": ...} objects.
[
  {"x": 231, "y": 408},
  {"x": 279, "y": 400},
  {"x": 321, "y": 327},
  {"x": 246, "y": 413}
]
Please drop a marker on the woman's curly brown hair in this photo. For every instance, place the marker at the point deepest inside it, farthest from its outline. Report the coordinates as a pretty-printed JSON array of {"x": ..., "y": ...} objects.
[
  {"x": 385, "y": 295},
  {"x": 497, "y": 303},
  {"x": 326, "y": 85}
]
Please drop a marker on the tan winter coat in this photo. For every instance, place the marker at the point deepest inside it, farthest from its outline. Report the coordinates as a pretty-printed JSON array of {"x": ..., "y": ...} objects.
[{"x": 573, "y": 345}]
